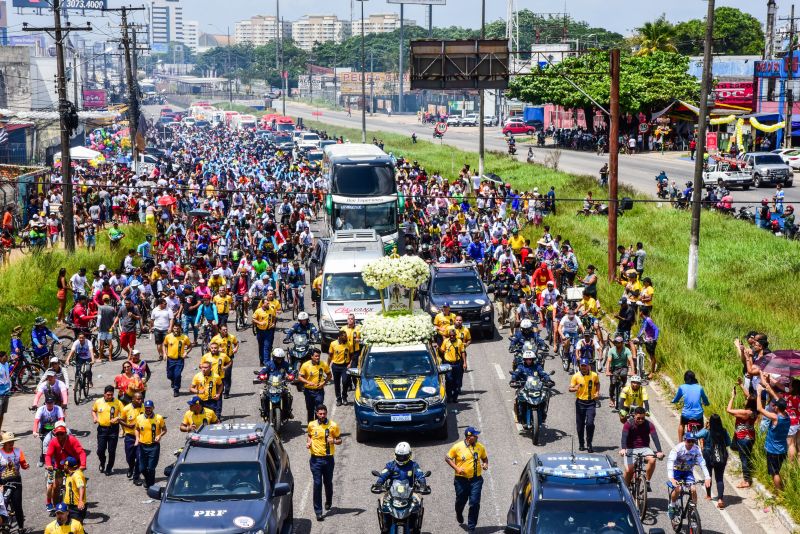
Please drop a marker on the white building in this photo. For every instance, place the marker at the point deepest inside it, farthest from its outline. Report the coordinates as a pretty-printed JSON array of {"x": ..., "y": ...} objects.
[
  {"x": 317, "y": 29},
  {"x": 380, "y": 23},
  {"x": 166, "y": 22},
  {"x": 260, "y": 30},
  {"x": 191, "y": 34}
]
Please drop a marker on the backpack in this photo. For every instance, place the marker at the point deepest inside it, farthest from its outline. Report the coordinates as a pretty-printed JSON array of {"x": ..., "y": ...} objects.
[{"x": 719, "y": 453}]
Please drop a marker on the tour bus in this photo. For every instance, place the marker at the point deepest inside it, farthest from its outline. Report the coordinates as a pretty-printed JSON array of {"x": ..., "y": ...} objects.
[
  {"x": 362, "y": 192},
  {"x": 343, "y": 289}
]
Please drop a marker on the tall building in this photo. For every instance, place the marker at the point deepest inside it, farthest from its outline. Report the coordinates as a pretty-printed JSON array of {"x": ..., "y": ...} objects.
[
  {"x": 317, "y": 29},
  {"x": 381, "y": 23},
  {"x": 166, "y": 22},
  {"x": 191, "y": 34},
  {"x": 260, "y": 30}
]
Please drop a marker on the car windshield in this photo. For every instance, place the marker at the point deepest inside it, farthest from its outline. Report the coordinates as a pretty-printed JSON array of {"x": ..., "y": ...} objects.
[
  {"x": 226, "y": 481},
  {"x": 770, "y": 159},
  {"x": 314, "y": 156},
  {"x": 457, "y": 284},
  {"x": 364, "y": 180},
  {"x": 416, "y": 362},
  {"x": 347, "y": 286},
  {"x": 567, "y": 517}
]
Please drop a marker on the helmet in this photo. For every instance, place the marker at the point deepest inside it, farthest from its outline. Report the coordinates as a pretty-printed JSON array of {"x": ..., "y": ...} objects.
[
  {"x": 526, "y": 324},
  {"x": 278, "y": 353},
  {"x": 689, "y": 436},
  {"x": 302, "y": 316},
  {"x": 528, "y": 355},
  {"x": 636, "y": 378},
  {"x": 402, "y": 453}
]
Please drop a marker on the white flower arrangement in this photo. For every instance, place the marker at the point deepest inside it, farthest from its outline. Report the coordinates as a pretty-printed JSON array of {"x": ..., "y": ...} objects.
[
  {"x": 403, "y": 329},
  {"x": 407, "y": 271}
]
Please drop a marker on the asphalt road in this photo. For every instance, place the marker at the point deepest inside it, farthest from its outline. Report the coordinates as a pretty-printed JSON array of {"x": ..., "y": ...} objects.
[{"x": 638, "y": 171}]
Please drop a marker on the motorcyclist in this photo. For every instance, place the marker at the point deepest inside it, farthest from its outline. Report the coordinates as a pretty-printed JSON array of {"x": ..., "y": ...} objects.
[
  {"x": 404, "y": 469},
  {"x": 512, "y": 144},
  {"x": 525, "y": 333},
  {"x": 302, "y": 326},
  {"x": 662, "y": 181},
  {"x": 530, "y": 366},
  {"x": 278, "y": 366}
]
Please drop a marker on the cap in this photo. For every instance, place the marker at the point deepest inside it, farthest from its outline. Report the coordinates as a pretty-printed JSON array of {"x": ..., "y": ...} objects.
[
  {"x": 445, "y": 305},
  {"x": 149, "y": 404},
  {"x": 191, "y": 402},
  {"x": 55, "y": 359},
  {"x": 689, "y": 436},
  {"x": 60, "y": 429},
  {"x": 136, "y": 351},
  {"x": 106, "y": 297},
  {"x": 71, "y": 461},
  {"x": 584, "y": 361},
  {"x": 619, "y": 339},
  {"x": 50, "y": 373},
  {"x": 61, "y": 507},
  {"x": 135, "y": 283},
  {"x": 471, "y": 431},
  {"x": 102, "y": 267}
]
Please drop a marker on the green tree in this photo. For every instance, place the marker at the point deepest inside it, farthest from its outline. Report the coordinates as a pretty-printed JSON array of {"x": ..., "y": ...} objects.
[
  {"x": 735, "y": 33},
  {"x": 658, "y": 35}
]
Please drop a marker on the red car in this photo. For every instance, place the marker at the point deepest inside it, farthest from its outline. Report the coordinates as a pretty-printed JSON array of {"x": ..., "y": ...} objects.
[{"x": 517, "y": 128}]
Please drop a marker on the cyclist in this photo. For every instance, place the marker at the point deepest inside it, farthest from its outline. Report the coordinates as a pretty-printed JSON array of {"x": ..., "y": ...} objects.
[
  {"x": 636, "y": 436},
  {"x": 52, "y": 387},
  {"x": 619, "y": 365},
  {"x": 569, "y": 329},
  {"x": 39, "y": 336},
  {"x": 589, "y": 310},
  {"x": 83, "y": 353},
  {"x": 680, "y": 469},
  {"x": 588, "y": 347},
  {"x": 61, "y": 371},
  {"x": 632, "y": 396},
  {"x": 12, "y": 462},
  {"x": 207, "y": 311},
  {"x": 44, "y": 421},
  {"x": 694, "y": 398},
  {"x": 60, "y": 445},
  {"x": 404, "y": 469},
  {"x": 297, "y": 279}
]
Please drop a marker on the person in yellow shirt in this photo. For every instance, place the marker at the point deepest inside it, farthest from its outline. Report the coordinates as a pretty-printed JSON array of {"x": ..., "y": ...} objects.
[
  {"x": 339, "y": 359},
  {"x": 646, "y": 295},
  {"x": 128, "y": 422},
  {"x": 197, "y": 416},
  {"x": 150, "y": 428},
  {"x": 590, "y": 307},
  {"x": 452, "y": 352},
  {"x": 633, "y": 287},
  {"x": 224, "y": 302},
  {"x": 264, "y": 319},
  {"x": 516, "y": 242},
  {"x": 106, "y": 414},
  {"x": 314, "y": 374},
  {"x": 631, "y": 396},
  {"x": 208, "y": 386},
  {"x": 177, "y": 347},
  {"x": 444, "y": 320},
  {"x": 75, "y": 489},
  {"x": 228, "y": 345},
  {"x": 462, "y": 332},
  {"x": 216, "y": 281},
  {"x": 322, "y": 436},
  {"x": 273, "y": 302},
  {"x": 468, "y": 459},
  {"x": 63, "y": 524},
  {"x": 316, "y": 289},
  {"x": 586, "y": 386},
  {"x": 353, "y": 332}
]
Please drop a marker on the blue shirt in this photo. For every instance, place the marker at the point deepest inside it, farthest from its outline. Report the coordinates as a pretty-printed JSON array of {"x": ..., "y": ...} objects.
[
  {"x": 777, "y": 433},
  {"x": 693, "y": 400},
  {"x": 409, "y": 472},
  {"x": 5, "y": 379}
]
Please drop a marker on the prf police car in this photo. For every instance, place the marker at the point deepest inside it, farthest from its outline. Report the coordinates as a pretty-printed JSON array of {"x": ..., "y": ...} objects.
[{"x": 228, "y": 479}]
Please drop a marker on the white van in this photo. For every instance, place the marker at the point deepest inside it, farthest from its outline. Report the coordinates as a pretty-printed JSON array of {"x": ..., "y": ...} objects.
[{"x": 343, "y": 290}]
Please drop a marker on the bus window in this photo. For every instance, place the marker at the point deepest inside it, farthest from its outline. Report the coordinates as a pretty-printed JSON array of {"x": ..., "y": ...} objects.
[{"x": 363, "y": 180}]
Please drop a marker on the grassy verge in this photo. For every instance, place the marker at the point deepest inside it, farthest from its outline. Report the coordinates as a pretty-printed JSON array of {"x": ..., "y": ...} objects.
[
  {"x": 28, "y": 285},
  {"x": 245, "y": 110},
  {"x": 747, "y": 278}
]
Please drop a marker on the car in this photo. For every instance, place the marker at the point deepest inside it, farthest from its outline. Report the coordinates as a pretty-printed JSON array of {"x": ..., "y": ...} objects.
[
  {"x": 453, "y": 120},
  {"x": 400, "y": 388},
  {"x": 790, "y": 156},
  {"x": 517, "y": 127},
  {"x": 202, "y": 123},
  {"x": 314, "y": 157},
  {"x": 536, "y": 123},
  {"x": 730, "y": 175},
  {"x": 189, "y": 121},
  {"x": 166, "y": 111},
  {"x": 230, "y": 477},
  {"x": 565, "y": 492},
  {"x": 308, "y": 141},
  {"x": 767, "y": 168},
  {"x": 460, "y": 286},
  {"x": 489, "y": 120},
  {"x": 470, "y": 120}
]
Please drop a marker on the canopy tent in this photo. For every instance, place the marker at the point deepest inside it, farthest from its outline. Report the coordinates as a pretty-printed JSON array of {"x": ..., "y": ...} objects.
[
  {"x": 79, "y": 153},
  {"x": 679, "y": 109}
]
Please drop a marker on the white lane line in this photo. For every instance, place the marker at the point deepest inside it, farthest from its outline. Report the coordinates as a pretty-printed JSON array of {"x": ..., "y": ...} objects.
[
  {"x": 488, "y": 473},
  {"x": 310, "y": 483},
  {"x": 499, "y": 371}
]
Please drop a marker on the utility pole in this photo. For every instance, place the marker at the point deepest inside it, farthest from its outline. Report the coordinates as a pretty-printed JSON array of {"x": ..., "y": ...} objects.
[
  {"x": 400, "y": 64},
  {"x": 371, "y": 80},
  {"x": 363, "y": 80},
  {"x": 613, "y": 163},
  {"x": 788, "y": 93},
  {"x": 430, "y": 20},
  {"x": 702, "y": 125},
  {"x": 230, "y": 78},
  {"x": 481, "y": 112},
  {"x": 284, "y": 76},
  {"x": 69, "y": 118},
  {"x": 769, "y": 34},
  {"x": 75, "y": 79}
]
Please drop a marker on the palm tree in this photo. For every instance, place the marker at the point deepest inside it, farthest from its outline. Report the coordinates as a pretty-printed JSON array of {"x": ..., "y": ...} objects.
[{"x": 656, "y": 35}]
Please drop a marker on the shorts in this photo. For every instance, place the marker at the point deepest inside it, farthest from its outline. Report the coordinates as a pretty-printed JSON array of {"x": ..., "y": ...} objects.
[
  {"x": 650, "y": 347},
  {"x": 774, "y": 463},
  {"x": 4, "y": 400},
  {"x": 159, "y": 335},
  {"x": 91, "y": 240},
  {"x": 127, "y": 340},
  {"x": 682, "y": 476},
  {"x": 630, "y": 457},
  {"x": 105, "y": 336},
  {"x": 53, "y": 475},
  {"x": 793, "y": 429},
  {"x": 686, "y": 421}
]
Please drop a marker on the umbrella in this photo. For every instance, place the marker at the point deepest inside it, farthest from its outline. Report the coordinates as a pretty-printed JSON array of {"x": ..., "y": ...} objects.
[
  {"x": 166, "y": 201},
  {"x": 782, "y": 362}
]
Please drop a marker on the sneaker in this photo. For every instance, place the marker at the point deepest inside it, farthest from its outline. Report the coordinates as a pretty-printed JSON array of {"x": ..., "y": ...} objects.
[
  {"x": 175, "y": 393},
  {"x": 129, "y": 474},
  {"x": 320, "y": 517},
  {"x": 327, "y": 506},
  {"x": 40, "y": 463},
  {"x": 671, "y": 511},
  {"x": 137, "y": 482},
  {"x": 460, "y": 517},
  {"x": 649, "y": 488}
]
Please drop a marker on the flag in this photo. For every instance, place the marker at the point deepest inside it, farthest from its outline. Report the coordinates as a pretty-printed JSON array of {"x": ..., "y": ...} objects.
[{"x": 3, "y": 136}]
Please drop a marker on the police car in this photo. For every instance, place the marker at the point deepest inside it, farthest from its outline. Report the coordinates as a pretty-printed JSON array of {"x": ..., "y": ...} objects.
[
  {"x": 563, "y": 492},
  {"x": 459, "y": 285},
  {"x": 228, "y": 479}
]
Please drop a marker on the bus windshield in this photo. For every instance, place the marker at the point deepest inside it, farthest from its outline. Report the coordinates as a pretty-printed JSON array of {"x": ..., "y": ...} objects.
[
  {"x": 363, "y": 180},
  {"x": 381, "y": 217}
]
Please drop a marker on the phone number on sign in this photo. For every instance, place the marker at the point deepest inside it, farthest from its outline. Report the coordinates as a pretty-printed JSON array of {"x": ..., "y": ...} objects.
[{"x": 85, "y": 4}]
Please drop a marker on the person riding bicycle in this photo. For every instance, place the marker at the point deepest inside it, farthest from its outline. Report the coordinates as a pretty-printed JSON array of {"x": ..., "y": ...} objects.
[
  {"x": 39, "y": 336},
  {"x": 569, "y": 329},
  {"x": 631, "y": 396},
  {"x": 302, "y": 326},
  {"x": 680, "y": 469},
  {"x": 208, "y": 312},
  {"x": 80, "y": 316},
  {"x": 44, "y": 421},
  {"x": 297, "y": 279},
  {"x": 83, "y": 352},
  {"x": 636, "y": 435},
  {"x": 12, "y": 462},
  {"x": 404, "y": 469}
]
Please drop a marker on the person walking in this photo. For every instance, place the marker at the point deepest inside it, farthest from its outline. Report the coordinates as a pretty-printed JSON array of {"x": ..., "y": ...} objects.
[
  {"x": 61, "y": 294},
  {"x": 745, "y": 434},
  {"x": 106, "y": 414},
  {"x": 105, "y": 324},
  {"x": 208, "y": 386},
  {"x": 12, "y": 462},
  {"x": 322, "y": 436},
  {"x": 453, "y": 352},
  {"x": 586, "y": 386},
  {"x": 177, "y": 347},
  {"x": 5, "y": 385},
  {"x": 694, "y": 398},
  {"x": 715, "y": 452},
  {"x": 469, "y": 460},
  {"x": 339, "y": 359},
  {"x": 777, "y": 431},
  {"x": 149, "y": 428},
  {"x": 127, "y": 319},
  {"x": 314, "y": 374},
  {"x": 161, "y": 322},
  {"x": 228, "y": 346},
  {"x": 128, "y": 423},
  {"x": 265, "y": 319}
]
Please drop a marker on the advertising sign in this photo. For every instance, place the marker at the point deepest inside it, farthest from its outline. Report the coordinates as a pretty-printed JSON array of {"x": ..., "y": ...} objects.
[
  {"x": 735, "y": 93},
  {"x": 27, "y": 40},
  {"x": 74, "y": 5},
  {"x": 711, "y": 141},
  {"x": 382, "y": 83},
  {"x": 776, "y": 68},
  {"x": 94, "y": 98}
]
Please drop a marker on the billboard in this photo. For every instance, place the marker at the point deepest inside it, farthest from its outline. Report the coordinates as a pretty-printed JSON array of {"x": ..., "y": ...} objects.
[
  {"x": 735, "y": 94},
  {"x": 94, "y": 98},
  {"x": 27, "y": 40},
  {"x": 381, "y": 83},
  {"x": 459, "y": 64},
  {"x": 75, "y": 5},
  {"x": 776, "y": 68}
]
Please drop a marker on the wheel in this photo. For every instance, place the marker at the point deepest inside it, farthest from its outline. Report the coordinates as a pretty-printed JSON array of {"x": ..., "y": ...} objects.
[
  {"x": 565, "y": 363},
  {"x": 277, "y": 420},
  {"x": 789, "y": 183},
  {"x": 641, "y": 495},
  {"x": 78, "y": 390},
  {"x": 288, "y": 524},
  {"x": 361, "y": 435},
  {"x": 693, "y": 525},
  {"x": 27, "y": 377},
  {"x": 756, "y": 181},
  {"x": 535, "y": 426},
  {"x": 86, "y": 388},
  {"x": 116, "y": 348}
]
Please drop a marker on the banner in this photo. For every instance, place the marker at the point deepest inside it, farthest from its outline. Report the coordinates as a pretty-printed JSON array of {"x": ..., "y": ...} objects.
[
  {"x": 776, "y": 68},
  {"x": 735, "y": 94},
  {"x": 381, "y": 83},
  {"x": 711, "y": 141},
  {"x": 94, "y": 98}
]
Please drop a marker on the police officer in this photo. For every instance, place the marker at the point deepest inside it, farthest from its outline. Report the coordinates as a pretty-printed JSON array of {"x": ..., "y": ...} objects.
[
  {"x": 314, "y": 374},
  {"x": 128, "y": 422},
  {"x": 586, "y": 386},
  {"x": 468, "y": 459},
  {"x": 149, "y": 428},
  {"x": 453, "y": 352},
  {"x": 443, "y": 321},
  {"x": 526, "y": 333},
  {"x": 322, "y": 437},
  {"x": 106, "y": 413},
  {"x": 404, "y": 469},
  {"x": 278, "y": 366}
]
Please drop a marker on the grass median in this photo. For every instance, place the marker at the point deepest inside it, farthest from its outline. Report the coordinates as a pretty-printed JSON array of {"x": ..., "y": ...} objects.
[{"x": 748, "y": 279}]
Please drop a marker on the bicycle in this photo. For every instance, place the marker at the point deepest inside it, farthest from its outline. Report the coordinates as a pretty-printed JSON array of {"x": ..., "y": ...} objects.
[
  {"x": 10, "y": 524},
  {"x": 641, "y": 359},
  {"x": 639, "y": 483},
  {"x": 241, "y": 314},
  {"x": 83, "y": 383},
  {"x": 67, "y": 341},
  {"x": 297, "y": 295},
  {"x": 688, "y": 510},
  {"x": 24, "y": 374}
]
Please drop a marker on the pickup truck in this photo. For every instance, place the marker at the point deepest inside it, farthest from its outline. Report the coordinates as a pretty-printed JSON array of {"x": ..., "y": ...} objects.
[{"x": 730, "y": 175}]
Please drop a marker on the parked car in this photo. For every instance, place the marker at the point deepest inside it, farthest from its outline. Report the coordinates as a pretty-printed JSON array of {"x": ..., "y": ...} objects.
[
  {"x": 453, "y": 120},
  {"x": 767, "y": 168},
  {"x": 470, "y": 120},
  {"x": 790, "y": 156},
  {"x": 489, "y": 120},
  {"x": 536, "y": 123},
  {"x": 517, "y": 127}
]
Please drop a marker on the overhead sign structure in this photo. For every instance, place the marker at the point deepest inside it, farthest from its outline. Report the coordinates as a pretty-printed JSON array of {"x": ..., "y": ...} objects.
[
  {"x": 459, "y": 64},
  {"x": 73, "y": 5},
  {"x": 421, "y": 2}
]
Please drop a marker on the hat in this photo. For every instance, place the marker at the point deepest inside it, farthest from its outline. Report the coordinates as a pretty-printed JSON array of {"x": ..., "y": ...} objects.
[
  {"x": 584, "y": 361},
  {"x": 49, "y": 373},
  {"x": 689, "y": 436},
  {"x": 445, "y": 304},
  {"x": 136, "y": 351},
  {"x": 70, "y": 461},
  {"x": 61, "y": 507},
  {"x": 191, "y": 402},
  {"x": 535, "y": 189},
  {"x": 7, "y": 437},
  {"x": 106, "y": 297},
  {"x": 471, "y": 431},
  {"x": 17, "y": 329},
  {"x": 631, "y": 272},
  {"x": 149, "y": 404},
  {"x": 135, "y": 283},
  {"x": 102, "y": 267},
  {"x": 60, "y": 428},
  {"x": 39, "y": 321},
  {"x": 55, "y": 359}
]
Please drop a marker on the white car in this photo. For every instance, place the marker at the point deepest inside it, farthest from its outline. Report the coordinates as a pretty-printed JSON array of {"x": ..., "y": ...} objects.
[
  {"x": 308, "y": 140},
  {"x": 470, "y": 120},
  {"x": 453, "y": 120},
  {"x": 790, "y": 156}
]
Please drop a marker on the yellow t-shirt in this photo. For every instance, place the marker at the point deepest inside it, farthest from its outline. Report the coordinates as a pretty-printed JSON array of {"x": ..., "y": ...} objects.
[
  {"x": 633, "y": 398},
  {"x": 588, "y": 386},
  {"x": 267, "y": 315},
  {"x": 149, "y": 428},
  {"x": 217, "y": 362},
  {"x": 590, "y": 305},
  {"x": 73, "y": 526},
  {"x": 106, "y": 411},
  {"x": 223, "y": 304},
  {"x": 72, "y": 484},
  {"x": 647, "y": 291},
  {"x": 630, "y": 288},
  {"x": 315, "y": 374},
  {"x": 353, "y": 338},
  {"x": 205, "y": 417},
  {"x": 275, "y": 304},
  {"x": 207, "y": 386},
  {"x": 339, "y": 352},
  {"x": 443, "y": 322},
  {"x": 176, "y": 346},
  {"x": 463, "y": 334},
  {"x": 516, "y": 242},
  {"x": 468, "y": 458},
  {"x": 319, "y": 445},
  {"x": 216, "y": 282},
  {"x": 226, "y": 344},
  {"x": 452, "y": 351},
  {"x": 316, "y": 284},
  {"x": 129, "y": 415}
]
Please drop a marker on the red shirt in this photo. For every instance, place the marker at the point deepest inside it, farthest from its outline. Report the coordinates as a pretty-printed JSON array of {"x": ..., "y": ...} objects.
[
  {"x": 57, "y": 453},
  {"x": 793, "y": 408}
]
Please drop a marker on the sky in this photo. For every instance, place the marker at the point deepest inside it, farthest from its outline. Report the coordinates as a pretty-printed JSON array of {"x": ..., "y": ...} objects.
[{"x": 617, "y": 15}]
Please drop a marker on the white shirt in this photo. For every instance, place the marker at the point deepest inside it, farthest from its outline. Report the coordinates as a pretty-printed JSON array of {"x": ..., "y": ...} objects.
[
  {"x": 161, "y": 318},
  {"x": 78, "y": 283}
]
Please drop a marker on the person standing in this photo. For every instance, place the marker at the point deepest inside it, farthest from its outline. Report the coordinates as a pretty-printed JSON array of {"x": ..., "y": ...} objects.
[
  {"x": 106, "y": 414},
  {"x": 12, "y": 461},
  {"x": 128, "y": 422},
  {"x": 692, "y": 148},
  {"x": 264, "y": 318},
  {"x": 586, "y": 386},
  {"x": 220, "y": 364},
  {"x": 229, "y": 346},
  {"x": 150, "y": 428},
  {"x": 745, "y": 434},
  {"x": 339, "y": 359},
  {"x": 314, "y": 374},
  {"x": 452, "y": 352},
  {"x": 5, "y": 385},
  {"x": 161, "y": 321},
  {"x": 777, "y": 432},
  {"x": 208, "y": 386},
  {"x": 176, "y": 347},
  {"x": 716, "y": 441},
  {"x": 468, "y": 459},
  {"x": 105, "y": 324},
  {"x": 61, "y": 294},
  {"x": 127, "y": 319},
  {"x": 322, "y": 436}
]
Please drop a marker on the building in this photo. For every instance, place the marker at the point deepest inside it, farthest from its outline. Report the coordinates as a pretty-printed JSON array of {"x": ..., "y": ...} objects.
[
  {"x": 318, "y": 29},
  {"x": 191, "y": 35},
  {"x": 381, "y": 23},
  {"x": 207, "y": 41},
  {"x": 166, "y": 22},
  {"x": 260, "y": 30}
]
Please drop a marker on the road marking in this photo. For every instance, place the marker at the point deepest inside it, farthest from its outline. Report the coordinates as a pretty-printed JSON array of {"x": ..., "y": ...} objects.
[
  {"x": 488, "y": 473},
  {"x": 310, "y": 484},
  {"x": 499, "y": 371}
]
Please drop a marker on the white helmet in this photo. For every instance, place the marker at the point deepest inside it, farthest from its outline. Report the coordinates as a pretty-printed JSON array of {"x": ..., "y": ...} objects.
[
  {"x": 302, "y": 316},
  {"x": 636, "y": 378},
  {"x": 402, "y": 453},
  {"x": 528, "y": 355},
  {"x": 526, "y": 324},
  {"x": 278, "y": 353}
]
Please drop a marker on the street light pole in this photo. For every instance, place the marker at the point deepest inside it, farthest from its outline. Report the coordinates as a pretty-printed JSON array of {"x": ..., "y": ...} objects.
[
  {"x": 363, "y": 80},
  {"x": 481, "y": 146}
]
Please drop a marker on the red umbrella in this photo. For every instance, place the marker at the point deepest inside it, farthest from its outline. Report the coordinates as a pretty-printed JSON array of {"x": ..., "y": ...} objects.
[
  {"x": 166, "y": 201},
  {"x": 782, "y": 362}
]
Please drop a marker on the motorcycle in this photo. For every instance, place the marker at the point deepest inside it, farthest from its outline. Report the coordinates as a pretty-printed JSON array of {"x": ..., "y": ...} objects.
[
  {"x": 530, "y": 155},
  {"x": 745, "y": 214},
  {"x": 299, "y": 350},
  {"x": 275, "y": 401},
  {"x": 532, "y": 402},
  {"x": 402, "y": 506},
  {"x": 512, "y": 149}
]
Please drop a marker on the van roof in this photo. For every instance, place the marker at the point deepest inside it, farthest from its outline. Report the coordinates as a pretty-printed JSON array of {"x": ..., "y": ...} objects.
[
  {"x": 349, "y": 150},
  {"x": 399, "y": 348},
  {"x": 350, "y": 250}
]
